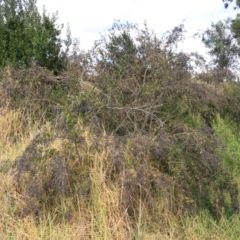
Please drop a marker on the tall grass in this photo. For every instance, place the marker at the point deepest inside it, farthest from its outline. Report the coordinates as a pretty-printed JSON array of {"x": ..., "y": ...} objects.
[{"x": 102, "y": 218}]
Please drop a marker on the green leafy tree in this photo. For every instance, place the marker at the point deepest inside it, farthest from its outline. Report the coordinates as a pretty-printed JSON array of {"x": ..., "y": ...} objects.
[
  {"x": 27, "y": 35},
  {"x": 222, "y": 41}
]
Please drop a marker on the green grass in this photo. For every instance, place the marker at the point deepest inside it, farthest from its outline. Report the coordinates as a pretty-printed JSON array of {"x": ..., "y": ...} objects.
[{"x": 229, "y": 134}]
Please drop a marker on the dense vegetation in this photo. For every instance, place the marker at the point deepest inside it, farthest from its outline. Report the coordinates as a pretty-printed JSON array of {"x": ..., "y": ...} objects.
[
  {"x": 26, "y": 36},
  {"x": 130, "y": 141}
]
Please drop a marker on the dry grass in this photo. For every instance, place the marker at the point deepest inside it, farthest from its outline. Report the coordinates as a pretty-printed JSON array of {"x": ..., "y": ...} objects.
[{"x": 103, "y": 217}]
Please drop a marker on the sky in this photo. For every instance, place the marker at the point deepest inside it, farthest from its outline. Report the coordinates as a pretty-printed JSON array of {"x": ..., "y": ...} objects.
[{"x": 89, "y": 18}]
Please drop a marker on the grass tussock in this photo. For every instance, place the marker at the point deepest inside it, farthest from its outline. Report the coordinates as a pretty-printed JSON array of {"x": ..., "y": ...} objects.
[{"x": 147, "y": 151}]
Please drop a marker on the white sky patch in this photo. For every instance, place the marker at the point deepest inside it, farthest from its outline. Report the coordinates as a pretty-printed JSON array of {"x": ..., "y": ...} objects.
[{"x": 88, "y": 18}]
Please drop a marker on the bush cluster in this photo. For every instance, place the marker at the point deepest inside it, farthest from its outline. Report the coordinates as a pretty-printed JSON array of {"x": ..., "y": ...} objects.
[{"x": 145, "y": 108}]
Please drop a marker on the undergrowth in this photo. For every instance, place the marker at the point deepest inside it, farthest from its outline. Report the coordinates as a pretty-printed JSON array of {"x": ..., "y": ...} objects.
[{"x": 129, "y": 143}]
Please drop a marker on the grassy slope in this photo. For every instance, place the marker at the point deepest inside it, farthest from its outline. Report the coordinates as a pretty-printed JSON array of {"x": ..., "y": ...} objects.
[{"x": 107, "y": 164}]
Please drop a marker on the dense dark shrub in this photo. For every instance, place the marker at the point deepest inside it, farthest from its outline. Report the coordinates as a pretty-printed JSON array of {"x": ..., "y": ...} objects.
[
  {"x": 27, "y": 35},
  {"x": 51, "y": 169},
  {"x": 36, "y": 91}
]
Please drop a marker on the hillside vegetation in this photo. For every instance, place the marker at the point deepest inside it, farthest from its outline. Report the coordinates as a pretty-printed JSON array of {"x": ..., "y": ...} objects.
[{"x": 135, "y": 140}]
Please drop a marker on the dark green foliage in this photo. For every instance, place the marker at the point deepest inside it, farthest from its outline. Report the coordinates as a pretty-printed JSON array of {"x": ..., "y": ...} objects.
[
  {"x": 235, "y": 27},
  {"x": 27, "y": 35}
]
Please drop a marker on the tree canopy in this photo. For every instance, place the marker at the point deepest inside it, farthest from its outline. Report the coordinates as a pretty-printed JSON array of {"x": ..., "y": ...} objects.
[
  {"x": 27, "y": 35},
  {"x": 223, "y": 40}
]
